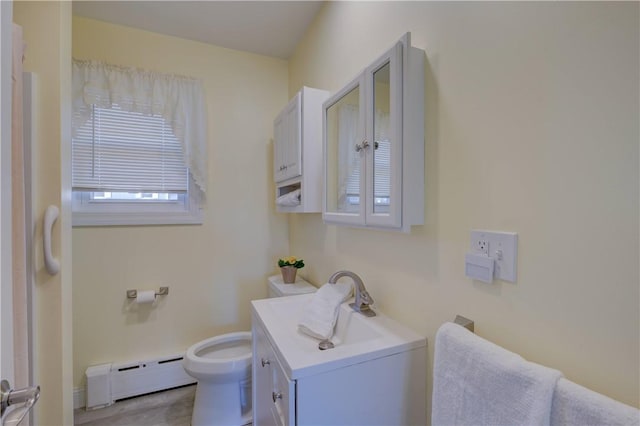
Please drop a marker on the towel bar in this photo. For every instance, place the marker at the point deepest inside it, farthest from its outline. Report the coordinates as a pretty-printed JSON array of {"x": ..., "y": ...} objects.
[{"x": 465, "y": 322}]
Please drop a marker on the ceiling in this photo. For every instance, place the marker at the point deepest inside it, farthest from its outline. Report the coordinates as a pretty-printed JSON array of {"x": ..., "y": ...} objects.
[{"x": 271, "y": 28}]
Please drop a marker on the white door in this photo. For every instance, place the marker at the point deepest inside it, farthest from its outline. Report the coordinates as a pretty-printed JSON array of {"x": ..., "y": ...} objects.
[{"x": 14, "y": 403}]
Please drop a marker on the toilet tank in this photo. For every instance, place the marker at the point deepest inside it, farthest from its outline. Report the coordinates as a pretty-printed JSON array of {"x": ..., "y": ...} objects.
[{"x": 277, "y": 287}]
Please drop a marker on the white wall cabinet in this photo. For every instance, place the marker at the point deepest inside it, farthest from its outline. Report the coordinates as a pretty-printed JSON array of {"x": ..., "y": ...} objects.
[
  {"x": 287, "y": 148},
  {"x": 297, "y": 152},
  {"x": 374, "y": 144}
]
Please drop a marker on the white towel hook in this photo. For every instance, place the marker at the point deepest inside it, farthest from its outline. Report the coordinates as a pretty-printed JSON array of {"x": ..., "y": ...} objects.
[{"x": 51, "y": 263}]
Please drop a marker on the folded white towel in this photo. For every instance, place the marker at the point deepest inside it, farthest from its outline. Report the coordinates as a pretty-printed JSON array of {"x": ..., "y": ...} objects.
[
  {"x": 321, "y": 314},
  {"x": 289, "y": 199},
  {"x": 579, "y": 406},
  {"x": 476, "y": 382}
]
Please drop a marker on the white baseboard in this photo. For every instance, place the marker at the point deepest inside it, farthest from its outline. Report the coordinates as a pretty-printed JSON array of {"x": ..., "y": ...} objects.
[{"x": 78, "y": 398}]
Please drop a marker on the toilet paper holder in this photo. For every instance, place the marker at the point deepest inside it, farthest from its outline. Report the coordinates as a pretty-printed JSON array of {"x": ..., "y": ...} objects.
[{"x": 132, "y": 294}]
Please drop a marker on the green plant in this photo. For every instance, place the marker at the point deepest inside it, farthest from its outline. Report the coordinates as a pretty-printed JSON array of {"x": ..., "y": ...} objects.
[{"x": 291, "y": 261}]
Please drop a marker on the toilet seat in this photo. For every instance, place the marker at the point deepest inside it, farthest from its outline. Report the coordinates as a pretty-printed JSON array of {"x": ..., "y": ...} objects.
[{"x": 220, "y": 358}]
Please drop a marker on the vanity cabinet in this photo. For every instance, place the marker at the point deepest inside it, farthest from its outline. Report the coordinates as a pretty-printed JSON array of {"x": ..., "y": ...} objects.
[
  {"x": 374, "y": 144},
  {"x": 331, "y": 388},
  {"x": 273, "y": 394},
  {"x": 297, "y": 152}
]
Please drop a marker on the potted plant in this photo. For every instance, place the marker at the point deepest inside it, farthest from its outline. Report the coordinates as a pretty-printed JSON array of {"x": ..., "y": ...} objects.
[{"x": 288, "y": 267}]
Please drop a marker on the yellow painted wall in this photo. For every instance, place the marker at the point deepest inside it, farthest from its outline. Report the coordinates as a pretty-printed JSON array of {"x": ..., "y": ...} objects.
[
  {"x": 47, "y": 34},
  {"x": 212, "y": 270},
  {"x": 532, "y": 127}
]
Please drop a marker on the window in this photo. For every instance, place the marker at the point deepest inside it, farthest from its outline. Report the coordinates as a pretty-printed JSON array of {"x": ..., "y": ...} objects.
[
  {"x": 132, "y": 163},
  {"x": 128, "y": 169}
]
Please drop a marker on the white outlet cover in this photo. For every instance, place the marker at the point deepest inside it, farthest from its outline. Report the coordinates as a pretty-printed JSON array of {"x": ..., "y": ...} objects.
[{"x": 502, "y": 247}]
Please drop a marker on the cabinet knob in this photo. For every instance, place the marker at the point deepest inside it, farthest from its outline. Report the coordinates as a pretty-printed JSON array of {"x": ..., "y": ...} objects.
[
  {"x": 265, "y": 362},
  {"x": 364, "y": 145},
  {"x": 275, "y": 396}
]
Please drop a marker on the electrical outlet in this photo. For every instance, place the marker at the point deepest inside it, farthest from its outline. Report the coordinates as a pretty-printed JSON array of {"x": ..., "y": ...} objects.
[
  {"x": 500, "y": 246},
  {"x": 482, "y": 246}
]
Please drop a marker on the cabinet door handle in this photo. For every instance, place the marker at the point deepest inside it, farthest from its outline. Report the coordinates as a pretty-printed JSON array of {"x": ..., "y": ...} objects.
[
  {"x": 364, "y": 145},
  {"x": 265, "y": 362},
  {"x": 275, "y": 396}
]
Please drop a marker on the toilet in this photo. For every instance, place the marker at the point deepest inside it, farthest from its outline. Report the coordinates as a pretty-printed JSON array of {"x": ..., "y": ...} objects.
[{"x": 222, "y": 366}]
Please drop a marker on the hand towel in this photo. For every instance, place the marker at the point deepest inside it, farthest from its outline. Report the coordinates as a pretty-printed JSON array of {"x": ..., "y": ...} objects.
[
  {"x": 321, "y": 314},
  {"x": 289, "y": 199},
  {"x": 476, "y": 382},
  {"x": 576, "y": 405}
]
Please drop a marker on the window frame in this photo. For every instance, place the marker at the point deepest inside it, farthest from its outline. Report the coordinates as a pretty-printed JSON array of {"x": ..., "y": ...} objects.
[{"x": 187, "y": 210}]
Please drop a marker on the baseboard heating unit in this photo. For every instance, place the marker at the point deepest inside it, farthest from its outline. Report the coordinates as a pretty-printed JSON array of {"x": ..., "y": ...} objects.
[{"x": 108, "y": 383}]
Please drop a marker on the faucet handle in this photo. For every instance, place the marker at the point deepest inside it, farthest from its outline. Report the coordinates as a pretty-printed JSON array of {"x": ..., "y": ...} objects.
[
  {"x": 365, "y": 298},
  {"x": 363, "y": 308},
  {"x": 361, "y": 304}
]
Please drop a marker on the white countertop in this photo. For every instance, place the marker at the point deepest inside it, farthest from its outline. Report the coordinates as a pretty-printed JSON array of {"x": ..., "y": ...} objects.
[{"x": 357, "y": 338}]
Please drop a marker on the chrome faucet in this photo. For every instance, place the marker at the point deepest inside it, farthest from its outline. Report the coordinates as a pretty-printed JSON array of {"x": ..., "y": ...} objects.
[{"x": 363, "y": 300}]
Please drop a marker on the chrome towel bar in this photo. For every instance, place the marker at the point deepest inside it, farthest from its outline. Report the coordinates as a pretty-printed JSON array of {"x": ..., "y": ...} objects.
[{"x": 465, "y": 322}]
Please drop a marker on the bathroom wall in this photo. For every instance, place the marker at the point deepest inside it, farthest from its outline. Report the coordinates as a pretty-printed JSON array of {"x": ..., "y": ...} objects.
[
  {"x": 213, "y": 270},
  {"x": 532, "y": 127}
]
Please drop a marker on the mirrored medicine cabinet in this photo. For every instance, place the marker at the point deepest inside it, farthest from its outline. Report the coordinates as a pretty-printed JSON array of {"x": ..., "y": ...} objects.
[{"x": 374, "y": 144}]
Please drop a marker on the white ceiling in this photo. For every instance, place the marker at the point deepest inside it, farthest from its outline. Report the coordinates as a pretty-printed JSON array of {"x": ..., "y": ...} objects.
[{"x": 271, "y": 28}]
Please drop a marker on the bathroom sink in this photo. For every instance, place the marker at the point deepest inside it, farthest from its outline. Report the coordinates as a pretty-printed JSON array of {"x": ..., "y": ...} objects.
[
  {"x": 350, "y": 328},
  {"x": 356, "y": 339}
]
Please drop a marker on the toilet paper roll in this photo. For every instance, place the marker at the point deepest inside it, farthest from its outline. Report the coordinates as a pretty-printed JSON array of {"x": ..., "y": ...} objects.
[{"x": 146, "y": 296}]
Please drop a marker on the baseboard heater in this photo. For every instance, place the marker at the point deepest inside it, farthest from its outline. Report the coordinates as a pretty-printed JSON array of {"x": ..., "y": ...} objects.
[{"x": 108, "y": 383}]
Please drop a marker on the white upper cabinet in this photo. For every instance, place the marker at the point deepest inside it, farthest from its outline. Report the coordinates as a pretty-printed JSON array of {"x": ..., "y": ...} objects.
[
  {"x": 288, "y": 141},
  {"x": 374, "y": 144},
  {"x": 297, "y": 153}
]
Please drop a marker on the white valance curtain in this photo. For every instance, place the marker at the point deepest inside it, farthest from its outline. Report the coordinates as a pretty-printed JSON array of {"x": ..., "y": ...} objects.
[{"x": 179, "y": 100}]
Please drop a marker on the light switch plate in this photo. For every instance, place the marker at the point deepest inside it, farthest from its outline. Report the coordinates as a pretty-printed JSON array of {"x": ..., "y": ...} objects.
[{"x": 501, "y": 246}]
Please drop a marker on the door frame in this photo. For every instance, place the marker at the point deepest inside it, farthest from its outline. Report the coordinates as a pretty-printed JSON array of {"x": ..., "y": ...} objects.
[{"x": 6, "y": 281}]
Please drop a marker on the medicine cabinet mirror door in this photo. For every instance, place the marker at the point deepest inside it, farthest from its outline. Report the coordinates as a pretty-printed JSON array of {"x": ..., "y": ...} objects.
[
  {"x": 363, "y": 147},
  {"x": 344, "y": 159},
  {"x": 384, "y": 131}
]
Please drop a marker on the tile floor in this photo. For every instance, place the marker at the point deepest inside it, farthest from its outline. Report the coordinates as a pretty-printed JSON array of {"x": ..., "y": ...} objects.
[{"x": 168, "y": 408}]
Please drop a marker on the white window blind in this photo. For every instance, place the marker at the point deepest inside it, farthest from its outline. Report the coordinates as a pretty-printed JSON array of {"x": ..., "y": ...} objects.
[
  {"x": 179, "y": 100},
  {"x": 118, "y": 150}
]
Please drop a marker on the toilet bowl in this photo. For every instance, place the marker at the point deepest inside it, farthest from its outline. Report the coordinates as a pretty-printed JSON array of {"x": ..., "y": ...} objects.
[{"x": 222, "y": 365}]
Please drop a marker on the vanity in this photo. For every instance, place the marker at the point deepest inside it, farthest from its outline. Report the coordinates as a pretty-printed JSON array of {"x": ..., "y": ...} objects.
[{"x": 374, "y": 375}]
